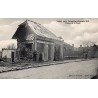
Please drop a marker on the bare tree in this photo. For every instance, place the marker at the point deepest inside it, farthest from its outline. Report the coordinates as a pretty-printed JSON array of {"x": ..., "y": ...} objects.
[
  {"x": 12, "y": 46},
  {"x": 88, "y": 43}
]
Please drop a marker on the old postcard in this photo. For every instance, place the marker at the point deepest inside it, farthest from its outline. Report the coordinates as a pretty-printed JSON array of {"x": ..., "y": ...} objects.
[{"x": 48, "y": 48}]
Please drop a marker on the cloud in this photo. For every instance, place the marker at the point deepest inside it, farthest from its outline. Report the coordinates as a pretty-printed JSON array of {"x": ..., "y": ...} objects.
[
  {"x": 75, "y": 33},
  {"x": 6, "y": 31},
  {"x": 5, "y": 43},
  {"x": 58, "y": 29}
]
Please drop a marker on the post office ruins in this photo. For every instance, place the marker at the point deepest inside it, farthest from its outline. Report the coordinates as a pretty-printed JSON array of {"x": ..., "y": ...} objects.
[{"x": 36, "y": 42}]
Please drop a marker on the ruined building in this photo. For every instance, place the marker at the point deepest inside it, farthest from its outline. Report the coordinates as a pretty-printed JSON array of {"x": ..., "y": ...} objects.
[{"x": 35, "y": 39}]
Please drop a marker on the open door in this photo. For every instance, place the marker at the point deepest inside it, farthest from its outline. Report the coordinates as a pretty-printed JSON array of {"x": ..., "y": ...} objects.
[{"x": 12, "y": 56}]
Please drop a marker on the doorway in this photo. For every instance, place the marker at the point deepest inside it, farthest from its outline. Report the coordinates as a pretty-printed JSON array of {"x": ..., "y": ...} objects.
[{"x": 12, "y": 56}]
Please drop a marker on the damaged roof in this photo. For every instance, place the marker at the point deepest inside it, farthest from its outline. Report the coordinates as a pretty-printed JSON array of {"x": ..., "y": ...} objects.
[{"x": 28, "y": 29}]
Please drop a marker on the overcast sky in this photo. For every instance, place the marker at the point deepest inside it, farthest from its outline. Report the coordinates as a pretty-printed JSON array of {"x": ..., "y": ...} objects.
[{"x": 71, "y": 33}]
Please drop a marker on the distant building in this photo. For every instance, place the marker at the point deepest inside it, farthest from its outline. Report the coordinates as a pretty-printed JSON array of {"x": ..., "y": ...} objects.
[
  {"x": 35, "y": 41},
  {"x": 93, "y": 51},
  {"x": 9, "y": 55},
  {"x": 88, "y": 52}
]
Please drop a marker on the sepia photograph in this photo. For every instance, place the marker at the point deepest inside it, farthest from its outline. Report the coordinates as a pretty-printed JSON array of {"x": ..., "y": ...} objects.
[{"x": 48, "y": 48}]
